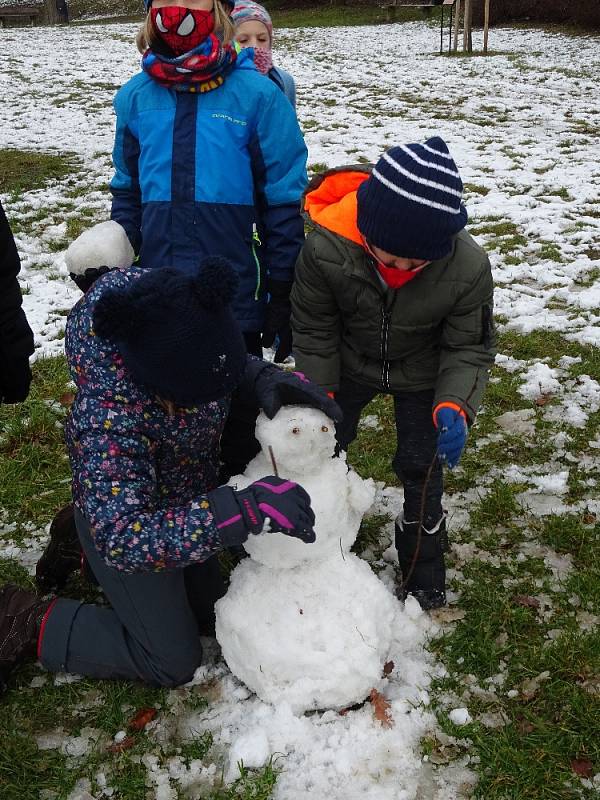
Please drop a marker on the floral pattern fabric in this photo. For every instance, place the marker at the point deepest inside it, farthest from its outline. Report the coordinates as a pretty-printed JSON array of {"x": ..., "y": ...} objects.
[{"x": 140, "y": 476}]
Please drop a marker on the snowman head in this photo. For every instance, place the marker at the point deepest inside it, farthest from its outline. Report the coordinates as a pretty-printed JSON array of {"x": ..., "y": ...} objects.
[{"x": 299, "y": 438}]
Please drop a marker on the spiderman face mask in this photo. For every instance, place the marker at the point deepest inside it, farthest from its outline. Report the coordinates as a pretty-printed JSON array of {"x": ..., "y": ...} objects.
[{"x": 182, "y": 29}]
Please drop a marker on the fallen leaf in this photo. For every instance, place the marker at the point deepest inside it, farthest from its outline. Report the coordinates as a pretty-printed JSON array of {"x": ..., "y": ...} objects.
[
  {"x": 530, "y": 686},
  {"x": 543, "y": 399},
  {"x": 449, "y": 614},
  {"x": 66, "y": 399},
  {"x": 141, "y": 719},
  {"x": 589, "y": 519},
  {"x": 119, "y": 747},
  {"x": 582, "y": 767},
  {"x": 524, "y": 726},
  {"x": 526, "y": 600},
  {"x": 590, "y": 685},
  {"x": 381, "y": 708},
  {"x": 388, "y": 668},
  {"x": 444, "y": 753}
]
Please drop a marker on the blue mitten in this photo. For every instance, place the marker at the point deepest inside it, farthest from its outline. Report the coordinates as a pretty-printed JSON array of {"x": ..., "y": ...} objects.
[{"x": 452, "y": 427}]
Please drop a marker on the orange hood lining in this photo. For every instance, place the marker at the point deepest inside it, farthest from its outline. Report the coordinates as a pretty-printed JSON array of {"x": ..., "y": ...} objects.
[{"x": 333, "y": 204}]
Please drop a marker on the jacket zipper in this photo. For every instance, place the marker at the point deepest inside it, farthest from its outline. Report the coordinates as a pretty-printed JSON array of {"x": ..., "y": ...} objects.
[
  {"x": 385, "y": 330},
  {"x": 387, "y": 308},
  {"x": 256, "y": 241}
]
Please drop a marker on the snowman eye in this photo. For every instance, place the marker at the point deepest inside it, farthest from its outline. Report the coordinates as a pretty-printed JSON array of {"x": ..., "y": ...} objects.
[
  {"x": 324, "y": 428},
  {"x": 296, "y": 430}
]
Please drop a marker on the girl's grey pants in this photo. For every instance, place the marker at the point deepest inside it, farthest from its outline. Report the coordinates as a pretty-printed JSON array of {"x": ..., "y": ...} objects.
[{"x": 150, "y": 632}]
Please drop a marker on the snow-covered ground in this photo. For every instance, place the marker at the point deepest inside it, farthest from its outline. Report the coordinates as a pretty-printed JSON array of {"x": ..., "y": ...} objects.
[{"x": 524, "y": 128}]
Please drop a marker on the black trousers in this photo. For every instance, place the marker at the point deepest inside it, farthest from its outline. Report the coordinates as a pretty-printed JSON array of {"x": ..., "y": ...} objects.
[
  {"x": 238, "y": 443},
  {"x": 415, "y": 449}
]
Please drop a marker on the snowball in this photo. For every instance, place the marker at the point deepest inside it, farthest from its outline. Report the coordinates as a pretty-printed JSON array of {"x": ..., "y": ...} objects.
[
  {"x": 315, "y": 636},
  {"x": 460, "y": 716},
  {"x": 104, "y": 245},
  {"x": 251, "y": 748}
]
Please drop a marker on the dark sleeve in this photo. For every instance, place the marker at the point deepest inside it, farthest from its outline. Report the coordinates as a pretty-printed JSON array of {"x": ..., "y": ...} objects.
[
  {"x": 316, "y": 323},
  {"x": 468, "y": 346},
  {"x": 16, "y": 338}
]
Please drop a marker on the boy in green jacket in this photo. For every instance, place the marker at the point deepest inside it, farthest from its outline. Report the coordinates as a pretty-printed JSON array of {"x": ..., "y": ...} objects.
[{"x": 393, "y": 296}]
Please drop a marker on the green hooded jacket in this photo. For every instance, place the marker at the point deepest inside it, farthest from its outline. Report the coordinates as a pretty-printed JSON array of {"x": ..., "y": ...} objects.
[{"x": 435, "y": 332}]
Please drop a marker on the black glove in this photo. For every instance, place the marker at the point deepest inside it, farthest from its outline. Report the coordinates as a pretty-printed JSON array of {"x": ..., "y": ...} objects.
[
  {"x": 285, "y": 503},
  {"x": 89, "y": 277},
  {"x": 277, "y": 318},
  {"x": 14, "y": 381},
  {"x": 274, "y": 387}
]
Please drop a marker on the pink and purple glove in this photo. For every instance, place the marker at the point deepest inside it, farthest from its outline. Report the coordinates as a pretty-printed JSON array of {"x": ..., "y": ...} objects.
[
  {"x": 451, "y": 422},
  {"x": 239, "y": 513}
]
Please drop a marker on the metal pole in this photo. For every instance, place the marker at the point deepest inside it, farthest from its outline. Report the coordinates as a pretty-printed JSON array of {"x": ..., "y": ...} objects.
[{"x": 450, "y": 30}]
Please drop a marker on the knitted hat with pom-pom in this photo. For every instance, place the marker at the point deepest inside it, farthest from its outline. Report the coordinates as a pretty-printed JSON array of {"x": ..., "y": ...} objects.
[
  {"x": 248, "y": 11},
  {"x": 411, "y": 205},
  {"x": 176, "y": 332}
]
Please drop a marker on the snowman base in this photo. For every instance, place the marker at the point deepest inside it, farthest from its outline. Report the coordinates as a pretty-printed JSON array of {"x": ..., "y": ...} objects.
[{"x": 313, "y": 637}]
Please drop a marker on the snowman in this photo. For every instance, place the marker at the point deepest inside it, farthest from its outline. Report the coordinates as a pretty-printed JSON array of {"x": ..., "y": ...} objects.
[{"x": 307, "y": 624}]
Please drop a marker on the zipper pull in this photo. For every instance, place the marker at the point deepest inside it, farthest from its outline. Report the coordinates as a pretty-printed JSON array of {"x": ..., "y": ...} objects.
[{"x": 255, "y": 236}]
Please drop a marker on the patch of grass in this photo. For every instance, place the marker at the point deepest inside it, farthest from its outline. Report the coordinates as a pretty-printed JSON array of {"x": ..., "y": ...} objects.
[
  {"x": 34, "y": 471},
  {"x": 475, "y": 188},
  {"x": 541, "y": 344},
  {"x": 549, "y": 252},
  {"x": 372, "y": 452},
  {"x": 370, "y": 535},
  {"x": 25, "y": 170},
  {"x": 498, "y": 506},
  {"x": 251, "y": 785},
  {"x": 562, "y": 193},
  {"x": 332, "y": 15}
]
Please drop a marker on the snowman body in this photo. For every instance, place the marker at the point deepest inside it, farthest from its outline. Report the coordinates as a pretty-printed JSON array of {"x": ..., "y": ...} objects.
[{"x": 308, "y": 624}]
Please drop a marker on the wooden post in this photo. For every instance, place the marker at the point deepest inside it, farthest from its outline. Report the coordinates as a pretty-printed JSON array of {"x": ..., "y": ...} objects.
[
  {"x": 467, "y": 26},
  {"x": 456, "y": 26},
  {"x": 486, "y": 25}
]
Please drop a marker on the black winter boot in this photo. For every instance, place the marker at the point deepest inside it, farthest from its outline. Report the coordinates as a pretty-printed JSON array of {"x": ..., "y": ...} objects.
[
  {"x": 62, "y": 555},
  {"x": 21, "y": 615},
  {"x": 427, "y": 581}
]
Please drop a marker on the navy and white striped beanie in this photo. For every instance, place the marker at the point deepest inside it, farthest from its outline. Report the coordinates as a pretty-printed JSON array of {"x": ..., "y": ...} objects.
[{"x": 411, "y": 205}]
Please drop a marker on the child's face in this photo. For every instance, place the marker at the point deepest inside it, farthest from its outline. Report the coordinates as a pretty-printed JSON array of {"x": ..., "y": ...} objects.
[
  {"x": 198, "y": 5},
  {"x": 396, "y": 262},
  {"x": 253, "y": 34}
]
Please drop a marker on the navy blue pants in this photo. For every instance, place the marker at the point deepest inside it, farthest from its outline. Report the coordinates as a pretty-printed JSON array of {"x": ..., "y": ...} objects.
[
  {"x": 416, "y": 444},
  {"x": 149, "y": 633}
]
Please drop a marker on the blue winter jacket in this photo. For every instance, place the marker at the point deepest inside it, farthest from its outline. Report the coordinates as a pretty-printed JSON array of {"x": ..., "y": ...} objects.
[
  {"x": 285, "y": 82},
  {"x": 213, "y": 173}
]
